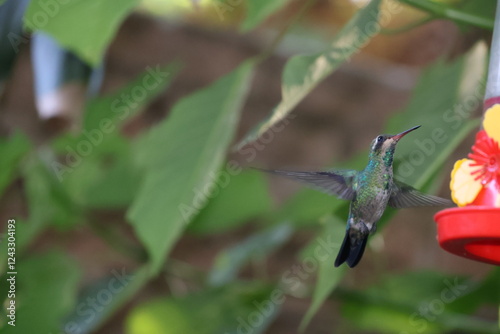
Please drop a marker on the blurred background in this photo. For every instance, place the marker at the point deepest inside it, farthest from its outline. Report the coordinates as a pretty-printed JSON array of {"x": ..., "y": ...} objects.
[{"x": 78, "y": 229}]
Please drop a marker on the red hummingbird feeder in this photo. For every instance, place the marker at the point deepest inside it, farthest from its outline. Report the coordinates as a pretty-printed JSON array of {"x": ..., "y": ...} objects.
[{"x": 472, "y": 230}]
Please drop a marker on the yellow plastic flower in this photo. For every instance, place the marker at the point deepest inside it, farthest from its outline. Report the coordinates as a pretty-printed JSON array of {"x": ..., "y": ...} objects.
[
  {"x": 491, "y": 123},
  {"x": 470, "y": 176},
  {"x": 464, "y": 189}
]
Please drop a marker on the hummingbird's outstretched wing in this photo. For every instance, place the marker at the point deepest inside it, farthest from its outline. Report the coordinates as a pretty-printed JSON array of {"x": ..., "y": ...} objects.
[
  {"x": 405, "y": 196},
  {"x": 338, "y": 183}
]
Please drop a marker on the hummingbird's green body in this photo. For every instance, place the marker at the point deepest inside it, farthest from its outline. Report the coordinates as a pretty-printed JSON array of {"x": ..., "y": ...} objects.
[{"x": 370, "y": 191}]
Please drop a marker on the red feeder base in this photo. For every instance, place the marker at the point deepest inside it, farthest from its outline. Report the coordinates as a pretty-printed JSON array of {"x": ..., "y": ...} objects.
[{"x": 472, "y": 232}]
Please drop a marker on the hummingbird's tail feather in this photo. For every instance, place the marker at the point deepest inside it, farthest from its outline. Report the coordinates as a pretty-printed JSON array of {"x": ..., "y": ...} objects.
[
  {"x": 351, "y": 252},
  {"x": 344, "y": 250},
  {"x": 356, "y": 252}
]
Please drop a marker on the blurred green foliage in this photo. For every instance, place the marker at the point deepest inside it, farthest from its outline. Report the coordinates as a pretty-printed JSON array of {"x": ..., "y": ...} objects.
[{"x": 175, "y": 178}]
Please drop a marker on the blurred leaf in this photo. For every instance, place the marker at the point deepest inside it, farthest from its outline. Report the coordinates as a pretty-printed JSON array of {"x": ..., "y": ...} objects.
[
  {"x": 479, "y": 14},
  {"x": 103, "y": 114},
  {"x": 259, "y": 10},
  {"x": 101, "y": 299},
  {"x": 328, "y": 276},
  {"x": 482, "y": 293},
  {"x": 178, "y": 157},
  {"x": 412, "y": 302},
  {"x": 45, "y": 292},
  {"x": 66, "y": 19},
  {"x": 115, "y": 186},
  {"x": 236, "y": 199},
  {"x": 236, "y": 308},
  {"x": 48, "y": 200},
  {"x": 229, "y": 262},
  {"x": 95, "y": 166},
  {"x": 304, "y": 72},
  {"x": 12, "y": 150},
  {"x": 82, "y": 166},
  {"x": 108, "y": 178}
]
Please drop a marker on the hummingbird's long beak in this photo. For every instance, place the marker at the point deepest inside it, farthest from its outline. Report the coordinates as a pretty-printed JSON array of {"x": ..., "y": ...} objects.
[{"x": 402, "y": 134}]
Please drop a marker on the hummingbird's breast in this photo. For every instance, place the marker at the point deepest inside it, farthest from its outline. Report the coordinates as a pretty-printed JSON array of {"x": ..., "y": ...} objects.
[{"x": 372, "y": 195}]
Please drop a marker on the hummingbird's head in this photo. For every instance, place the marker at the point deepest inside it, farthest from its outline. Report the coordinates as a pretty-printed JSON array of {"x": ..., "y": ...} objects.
[{"x": 383, "y": 146}]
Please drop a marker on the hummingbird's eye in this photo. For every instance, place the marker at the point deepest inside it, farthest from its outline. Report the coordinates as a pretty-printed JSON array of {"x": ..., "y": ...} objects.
[{"x": 380, "y": 139}]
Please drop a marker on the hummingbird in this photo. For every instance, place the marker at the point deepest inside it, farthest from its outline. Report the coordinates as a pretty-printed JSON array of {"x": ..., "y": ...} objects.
[{"x": 370, "y": 191}]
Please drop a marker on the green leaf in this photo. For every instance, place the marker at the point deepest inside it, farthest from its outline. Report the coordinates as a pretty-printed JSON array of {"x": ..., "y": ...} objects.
[
  {"x": 48, "y": 200},
  {"x": 99, "y": 300},
  {"x": 304, "y": 72},
  {"x": 180, "y": 155},
  {"x": 479, "y": 294},
  {"x": 241, "y": 197},
  {"x": 229, "y": 262},
  {"x": 95, "y": 167},
  {"x": 12, "y": 150},
  {"x": 259, "y": 10},
  {"x": 116, "y": 184},
  {"x": 46, "y": 288},
  {"x": 235, "y": 308},
  {"x": 390, "y": 306},
  {"x": 328, "y": 276},
  {"x": 68, "y": 22}
]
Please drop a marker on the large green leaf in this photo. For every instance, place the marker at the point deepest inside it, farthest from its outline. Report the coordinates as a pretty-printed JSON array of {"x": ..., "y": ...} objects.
[
  {"x": 304, "y": 72},
  {"x": 242, "y": 197},
  {"x": 259, "y": 10},
  {"x": 412, "y": 302},
  {"x": 95, "y": 166},
  {"x": 11, "y": 150},
  {"x": 115, "y": 185},
  {"x": 235, "y": 308},
  {"x": 48, "y": 200},
  {"x": 45, "y": 292},
  {"x": 179, "y": 158},
  {"x": 85, "y": 27}
]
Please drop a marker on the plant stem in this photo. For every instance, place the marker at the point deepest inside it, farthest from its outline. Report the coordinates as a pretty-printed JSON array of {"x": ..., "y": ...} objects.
[{"x": 454, "y": 14}]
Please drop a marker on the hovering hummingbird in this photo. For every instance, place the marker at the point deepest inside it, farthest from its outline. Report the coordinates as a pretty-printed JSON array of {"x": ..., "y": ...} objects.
[{"x": 370, "y": 191}]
